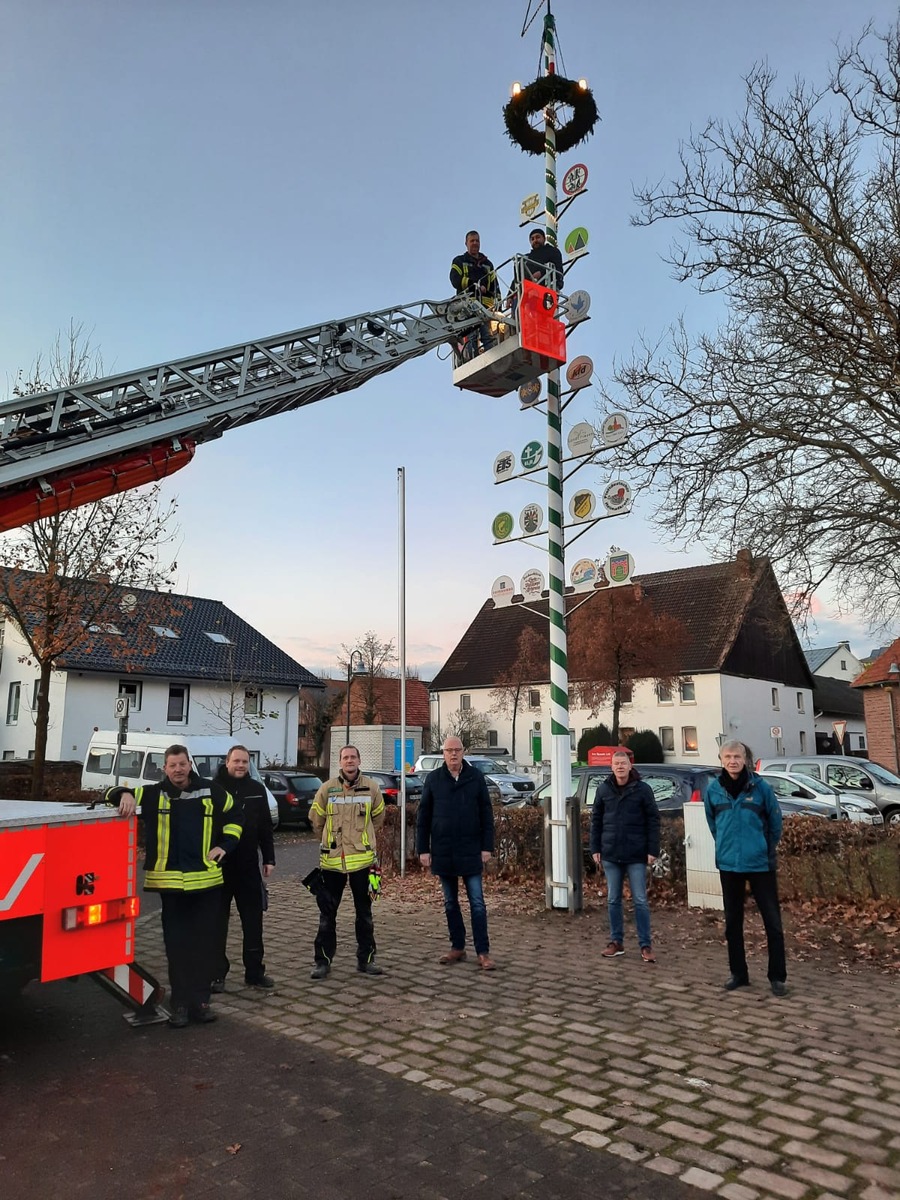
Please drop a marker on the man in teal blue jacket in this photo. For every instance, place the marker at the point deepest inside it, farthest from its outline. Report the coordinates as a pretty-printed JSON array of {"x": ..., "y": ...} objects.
[{"x": 745, "y": 821}]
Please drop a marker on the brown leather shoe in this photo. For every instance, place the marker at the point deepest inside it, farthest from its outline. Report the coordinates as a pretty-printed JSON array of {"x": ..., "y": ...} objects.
[
  {"x": 486, "y": 962},
  {"x": 453, "y": 956}
]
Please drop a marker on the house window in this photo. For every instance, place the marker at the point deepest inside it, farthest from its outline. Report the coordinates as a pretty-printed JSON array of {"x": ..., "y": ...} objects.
[
  {"x": 802, "y": 742},
  {"x": 626, "y": 693},
  {"x": 687, "y": 691},
  {"x": 862, "y": 741},
  {"x": 12, "y": 703},
  {"x": 133, "y": 692},
  {"x": 573, "y": 741},
  {"x": 252, "y": 702},
  {"x": 30, "y": 754},
  {"x": 164, "y": 631},
  {"x": 800, "y": 705},
  {"x": 663, "y": 694},
  {"x": 35, "y": 693},
  {"x": 667, "y": 738},
  {"x": 843, "y": 664},
  {"x": 179, "y": 701},
  {"x": 9, "y": 755},
  {"x": 219, "y": 638},
  {"x": 534, "y": 698},
  {"x": 465, "y": 702},
  {"x": 775, "y": 697},
  {"x": 301, "y": 731},
  {"x": 492, "y": 738},
  {"x": 689, "y": 744}
]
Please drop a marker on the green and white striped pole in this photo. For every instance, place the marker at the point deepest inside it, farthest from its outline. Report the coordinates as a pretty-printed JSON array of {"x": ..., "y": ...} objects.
[{"x": 560, "y": 755}]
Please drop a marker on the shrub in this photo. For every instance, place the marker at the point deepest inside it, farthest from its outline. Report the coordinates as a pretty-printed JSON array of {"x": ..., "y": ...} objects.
[
  {"x": 646, "y": 747},
  {"x": 598, "y": 735}
]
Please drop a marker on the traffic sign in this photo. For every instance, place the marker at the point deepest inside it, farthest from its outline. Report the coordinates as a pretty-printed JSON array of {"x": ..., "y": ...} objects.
[
  {"x": 775, "y": 731},
  {"x": 122, "y": 706},
  {"x": 840, "y": 728}
]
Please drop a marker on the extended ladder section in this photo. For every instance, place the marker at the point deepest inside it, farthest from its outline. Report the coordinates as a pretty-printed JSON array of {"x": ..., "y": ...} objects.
[{"x": 62, "y": 448}]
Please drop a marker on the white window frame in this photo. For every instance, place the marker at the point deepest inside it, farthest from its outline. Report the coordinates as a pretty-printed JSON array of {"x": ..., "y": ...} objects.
[
  {"x": 801, "y": 704},
  {"x": 534, "y": 698},
  {"x": 13, "y": 702},
  {"x": 133, "y": 691},
  {"x": 775, "y": 700},
  {"x": 663, "y": 731},
  {"x": 684, "y": 740},
  {"x": 682, "y": 684},
  {"x": 465, "y": 702},
  {"x": 253, "y": 702},
  {"x": 185, "y": 707},
  {"x": 668, "y": 698}
]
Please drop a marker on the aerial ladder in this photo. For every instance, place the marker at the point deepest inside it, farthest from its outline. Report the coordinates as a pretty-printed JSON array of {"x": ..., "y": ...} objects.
[{"x": 71, "y": 446}]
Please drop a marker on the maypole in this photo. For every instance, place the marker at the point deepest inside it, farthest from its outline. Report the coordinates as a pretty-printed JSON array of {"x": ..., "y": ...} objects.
[{"x": 560, "y": 755}]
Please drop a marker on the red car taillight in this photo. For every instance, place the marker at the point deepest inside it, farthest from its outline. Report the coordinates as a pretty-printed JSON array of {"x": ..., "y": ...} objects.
[
  {"x": 290, "y": 798},
  {"x": 695, "y": 796},
  {"x": 390, "y": 793}
]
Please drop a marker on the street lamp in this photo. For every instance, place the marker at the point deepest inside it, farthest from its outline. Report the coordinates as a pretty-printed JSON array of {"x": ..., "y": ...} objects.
[{"x": 356, "y": 665}]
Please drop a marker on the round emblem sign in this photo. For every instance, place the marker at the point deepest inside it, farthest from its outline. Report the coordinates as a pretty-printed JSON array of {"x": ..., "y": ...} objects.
[
  {"x": 619, "y": 567},
  {"x": 584, "y": 571},
  {"x": 579, "y": 372},
  {"x": 531, "y": 518},
  {"x": 614, "y": 429},
  {"x": 530, "y": 393},
  {"x": 575, "y": 179},
  {"x": 502, "y": 589},
  {"x": 577, "y": 241},
  {"x": 532, "y": 455},
  {"x": 578, "y": 307},
  {"x": 582, "y": 505},
  {"x": 580, "y": 440},
  {"x": 529, "y": 206},
  {"x": 503, "y": 465},
  {"x": 502, "y": 526},
  {"x": 532, "y": 584},
  {"x": 617, "y": 497}
]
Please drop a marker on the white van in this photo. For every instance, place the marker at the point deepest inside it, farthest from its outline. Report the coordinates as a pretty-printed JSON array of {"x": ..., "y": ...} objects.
[
  {"x": 141, "y": 760},
  {"x": 855, "y": 775}
]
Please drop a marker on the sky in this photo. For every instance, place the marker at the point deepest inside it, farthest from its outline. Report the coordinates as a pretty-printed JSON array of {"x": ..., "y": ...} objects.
[{"x": 180, "y": 177}]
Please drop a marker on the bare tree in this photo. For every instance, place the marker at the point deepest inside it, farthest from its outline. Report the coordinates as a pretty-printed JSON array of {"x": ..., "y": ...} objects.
[
  {"x": 239, "y": 703},
  {"x": 531, "y": 665},
  {"x": 616, "y": 641},
  {"x": 321, "y": 712},
  {"x": 781, "y": 430},
  {"x": 469, "y": 726},
  {"x": 64, "y": 574},
  {"x": 377, "y": 656}
]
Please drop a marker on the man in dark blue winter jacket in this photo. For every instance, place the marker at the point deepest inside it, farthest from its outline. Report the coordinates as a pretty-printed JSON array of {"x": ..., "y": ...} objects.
[
  {"x": 745, "y": 821},
  {"x": 625, "y": 839},
  {"x": 455, "y": 837}
]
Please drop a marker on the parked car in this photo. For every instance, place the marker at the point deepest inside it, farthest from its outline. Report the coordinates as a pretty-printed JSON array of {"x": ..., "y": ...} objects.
[
  {"x": 802, "y": 793},
  {"x": 673, "y": 785},
  {"x": 859, "y": 776},
  {"x": 422, "y": 773},
  {"x": 389, "y": 782},
  {"x": 512, "y": 787},
  {"x": 294, "y": 792}
]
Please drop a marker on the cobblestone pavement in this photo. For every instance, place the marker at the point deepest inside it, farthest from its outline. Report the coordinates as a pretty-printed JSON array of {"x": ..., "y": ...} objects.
[{"x": 740, "y": 1095}]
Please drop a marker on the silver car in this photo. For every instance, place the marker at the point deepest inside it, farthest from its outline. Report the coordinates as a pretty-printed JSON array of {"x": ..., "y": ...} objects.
[{"x": 821, "y": 796}]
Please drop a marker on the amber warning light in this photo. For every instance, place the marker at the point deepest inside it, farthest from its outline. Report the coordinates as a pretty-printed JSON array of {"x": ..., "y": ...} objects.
[{"x": 89, "y": 915}]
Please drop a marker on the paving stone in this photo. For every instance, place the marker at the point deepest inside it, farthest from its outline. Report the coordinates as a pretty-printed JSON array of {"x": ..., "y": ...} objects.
[
  {"x": 748, "y": 1151},
  {"x": 580, "y": 1116},
  {"x": 590, "y": 1137},
  {"x": 821, "y": 1177},
  {"x": 776, "y": 1185},
  {"x": 536, "y": 1100},
  {"x": 698, "y": 1178},
  {"x": 737, "y": 1191},
  {"x": 679, "y": 1131}
]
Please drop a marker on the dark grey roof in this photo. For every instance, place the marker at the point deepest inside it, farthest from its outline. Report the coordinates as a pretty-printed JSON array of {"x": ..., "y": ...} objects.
[
  {"x": 246, "y": 657},
  {"x": 816, "y": 658},
  {"x": 835, "y": 696}
]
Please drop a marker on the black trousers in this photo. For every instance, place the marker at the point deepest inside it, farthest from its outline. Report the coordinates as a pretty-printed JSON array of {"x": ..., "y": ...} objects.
[
  {"x": 764, "y": 888},
  {"x": 329, "y": 899},
  {"x": 190, "y": 923},
  {"x": 245, "y": 887}
]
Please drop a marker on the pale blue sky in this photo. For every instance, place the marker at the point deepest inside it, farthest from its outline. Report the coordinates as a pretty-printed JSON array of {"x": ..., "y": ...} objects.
[{"x": 181, "y": 176}]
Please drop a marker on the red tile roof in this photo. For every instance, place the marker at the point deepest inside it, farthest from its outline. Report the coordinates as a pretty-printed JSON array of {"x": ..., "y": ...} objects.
[{"x": 880, "y": 670}]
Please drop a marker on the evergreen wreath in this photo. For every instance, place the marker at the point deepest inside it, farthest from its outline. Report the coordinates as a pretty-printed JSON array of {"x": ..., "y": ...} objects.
[{"x": 550, "y": 89}]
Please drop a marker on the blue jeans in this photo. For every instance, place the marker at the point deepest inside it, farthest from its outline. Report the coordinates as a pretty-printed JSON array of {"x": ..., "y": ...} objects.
[
  {"x": 475, "y": 892},
  {"x": 637, "y": 881}
]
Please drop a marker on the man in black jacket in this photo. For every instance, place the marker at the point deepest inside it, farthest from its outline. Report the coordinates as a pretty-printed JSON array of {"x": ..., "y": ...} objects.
[
  {"x": 243, "y": 882},
  {"x": 190, "y": 824},
  {"x": 625, "y": 838},
  {"x": 455, "y": 837},
  {"x": 544, "y": 263},
  {"x": 473, "y": 273}
]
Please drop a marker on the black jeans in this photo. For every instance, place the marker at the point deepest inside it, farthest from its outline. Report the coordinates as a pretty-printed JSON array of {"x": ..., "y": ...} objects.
[
  {"x": 190, "y": 921},
  {"x": 244, "y": 886},
  {"x": 329, "y": 899},
  {"x": 764, "y": 888}
]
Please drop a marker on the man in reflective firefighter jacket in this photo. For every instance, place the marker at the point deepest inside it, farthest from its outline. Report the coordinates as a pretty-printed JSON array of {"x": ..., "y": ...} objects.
[
  {"x": 190, "y": 824},
  {"x": 346, "y": 812}
]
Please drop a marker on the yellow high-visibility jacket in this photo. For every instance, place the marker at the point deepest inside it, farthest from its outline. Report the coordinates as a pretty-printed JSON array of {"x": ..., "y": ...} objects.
[{"x": 346, "y": 816}]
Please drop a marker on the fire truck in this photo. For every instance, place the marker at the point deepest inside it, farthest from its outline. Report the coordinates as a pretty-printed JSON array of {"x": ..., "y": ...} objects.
[{"x": 68, "y": 876}]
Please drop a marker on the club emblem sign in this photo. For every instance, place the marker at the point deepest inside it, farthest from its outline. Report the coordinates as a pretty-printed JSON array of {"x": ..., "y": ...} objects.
[
  {"x": 532, "y": 584},
  {"x": 578, "y": 307},
  {"x": 614, "y": 429},
  {"x": 617, "y": 497},
  {"x": 577, "y": 242},
  {"x": 582, "y": 505},
  {"x": 502, "y": 590},
  {"x": 503, "y": 465},
  {"x": 502, "y": 526},
  {"x": 580, "y": 440},
  {"x": 529, "y": 206},
  {"x": 531, "y": 518},
  {"x": 579, "y": 372},
  {"x": 575, "y": 179},
  {"x": 532, "y": 455},
  {"x": 530, "y": 393},
  {"x": 619, "y": 567},
  {"x": 584, "y": 572}
]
